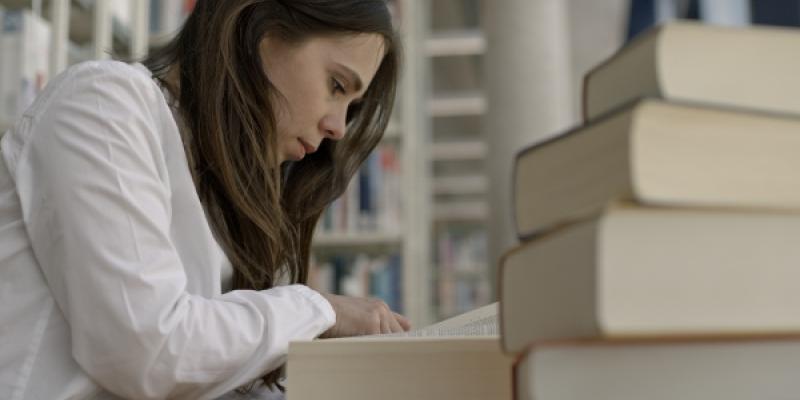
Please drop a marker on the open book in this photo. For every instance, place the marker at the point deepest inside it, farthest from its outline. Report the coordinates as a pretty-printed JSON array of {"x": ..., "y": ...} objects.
[
  {"x": 479, "y": 322},
  {"x": 458, "y": 358}
]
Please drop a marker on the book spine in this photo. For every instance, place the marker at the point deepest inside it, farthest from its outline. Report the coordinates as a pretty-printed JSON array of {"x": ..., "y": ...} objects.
[
  {"x": 363, "y": 196},
  {"x": 389, "y": 207},
  {"x": 361, "y": 275},
  {"x": 462, "y": 260},
  {"x": 376, "y": 183},
  {"x": 372, "y": 201}
]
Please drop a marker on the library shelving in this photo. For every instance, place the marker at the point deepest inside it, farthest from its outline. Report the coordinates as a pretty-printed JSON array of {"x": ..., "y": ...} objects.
[
  {"x": 350, "y": 237},
  {"x": 456, "y": 104},
  {"x": 49, "y": 36}
]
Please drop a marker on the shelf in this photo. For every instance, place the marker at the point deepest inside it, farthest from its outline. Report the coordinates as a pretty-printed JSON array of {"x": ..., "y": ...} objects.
[
  {"x": 356, "y": 239},
  {"x": 460, "y": 211},
  {"x": 457, "y": 104},
  {"x": 458, "y": 151},
  {"x": 460, "y": 185},
  {"x": 456, "y": 43}
]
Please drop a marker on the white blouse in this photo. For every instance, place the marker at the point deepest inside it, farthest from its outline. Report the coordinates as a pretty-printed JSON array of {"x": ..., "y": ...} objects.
[{"x": 110, "y": 278}]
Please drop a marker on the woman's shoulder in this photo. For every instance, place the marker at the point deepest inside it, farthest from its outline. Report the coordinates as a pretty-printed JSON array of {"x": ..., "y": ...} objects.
[
  {"x": 104, "y": 82},
  {"x": 111, "y": 68},
  {"x": 111, "y": 97},
  {"x": 100, "y": 89},
  {"x": 109, "y": 77}
]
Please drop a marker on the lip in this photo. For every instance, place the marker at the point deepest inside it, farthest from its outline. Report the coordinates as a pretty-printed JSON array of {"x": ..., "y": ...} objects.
[{"x": 307, "y": 147}]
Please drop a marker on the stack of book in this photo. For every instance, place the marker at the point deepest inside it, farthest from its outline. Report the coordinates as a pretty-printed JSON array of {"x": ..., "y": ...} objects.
[{"x": 661, "y": 239}]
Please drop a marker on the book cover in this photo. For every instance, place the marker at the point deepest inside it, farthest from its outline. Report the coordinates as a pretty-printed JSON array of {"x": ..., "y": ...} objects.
[
  {"x": 739, "y": 67},
  {"x": 659, "y": 153},
  {"x": 637, "y": 271}
]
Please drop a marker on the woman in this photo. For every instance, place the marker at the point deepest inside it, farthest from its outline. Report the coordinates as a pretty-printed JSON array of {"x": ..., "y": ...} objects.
[{"x": 148, "y": 214}]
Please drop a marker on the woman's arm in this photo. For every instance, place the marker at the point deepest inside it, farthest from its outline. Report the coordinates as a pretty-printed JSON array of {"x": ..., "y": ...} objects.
[{"x": 96, "y": 202}]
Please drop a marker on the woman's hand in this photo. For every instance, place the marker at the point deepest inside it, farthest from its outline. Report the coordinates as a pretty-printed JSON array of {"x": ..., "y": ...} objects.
[{"x": 357, "y": 316}]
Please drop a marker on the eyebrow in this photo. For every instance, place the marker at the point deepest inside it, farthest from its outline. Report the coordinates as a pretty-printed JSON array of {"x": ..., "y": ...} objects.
[{"x": 352, "y": 76}]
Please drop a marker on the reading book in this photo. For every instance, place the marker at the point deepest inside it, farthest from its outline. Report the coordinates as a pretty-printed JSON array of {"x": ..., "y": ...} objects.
[
  {"x": 459, "y": 358},
  {"x": 659, "y": 153},
  {"x": 637, "y": 271},
  {"x": 753, "y": 68},
  {"x": 720, "y": 369}
]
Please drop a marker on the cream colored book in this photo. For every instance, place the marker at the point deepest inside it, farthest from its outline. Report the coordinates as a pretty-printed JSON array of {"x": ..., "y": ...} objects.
[
  {"x": 644, "y": 272},
  {"x": 692, "y": 369},
  {"x": 466, "y": 363},
  {"x": 749, "y": 68},
  {"x": 659, "y": 153}
]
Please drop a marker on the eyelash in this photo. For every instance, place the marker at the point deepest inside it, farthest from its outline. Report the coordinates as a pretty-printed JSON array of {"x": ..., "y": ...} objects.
[
  {"x": 353, "y": 109},
  {"x": 337, "y": 86}
]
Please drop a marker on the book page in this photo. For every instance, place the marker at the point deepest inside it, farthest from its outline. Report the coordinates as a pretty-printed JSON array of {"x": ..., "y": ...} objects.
[{"x": 478, "y": 322}]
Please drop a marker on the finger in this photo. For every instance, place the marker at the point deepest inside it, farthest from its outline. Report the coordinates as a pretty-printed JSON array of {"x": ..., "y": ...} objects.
[
  {"x": 386, "y": 325},
  {"x": 403, "y": 321},
  {"x": 393, "y": 324}
]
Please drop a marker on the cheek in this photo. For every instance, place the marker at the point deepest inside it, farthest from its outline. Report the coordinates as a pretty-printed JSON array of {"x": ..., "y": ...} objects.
[
  {"x": 303, "y": 104},
  {"x": 303, "y": 112},
  {"x": 283, "y": 117}
]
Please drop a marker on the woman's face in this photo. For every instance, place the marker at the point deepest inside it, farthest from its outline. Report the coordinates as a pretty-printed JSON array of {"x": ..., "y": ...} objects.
[{"x": 318, "y": 79}]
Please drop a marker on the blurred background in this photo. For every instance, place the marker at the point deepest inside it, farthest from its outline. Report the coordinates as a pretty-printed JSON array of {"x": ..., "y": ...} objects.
[{"x": 426, "y": 220}]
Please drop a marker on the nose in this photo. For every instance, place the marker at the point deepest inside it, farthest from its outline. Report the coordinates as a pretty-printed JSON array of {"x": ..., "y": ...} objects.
[{"x": 334, "y": 124}]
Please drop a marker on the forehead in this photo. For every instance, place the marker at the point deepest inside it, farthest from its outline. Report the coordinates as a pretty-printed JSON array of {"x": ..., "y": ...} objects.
[{"x": 362, "y": 53}]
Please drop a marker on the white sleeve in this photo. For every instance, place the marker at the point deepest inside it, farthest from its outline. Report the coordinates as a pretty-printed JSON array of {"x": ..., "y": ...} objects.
[{"x": 96, "y": 203}]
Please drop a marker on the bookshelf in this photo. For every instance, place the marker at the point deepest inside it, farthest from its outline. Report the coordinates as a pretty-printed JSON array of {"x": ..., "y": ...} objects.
[
  {"x": 462, "y": 42},
  {"x": 441, "y": 236},
  {"x": 76, "y": 30},
  {"x": 405, "y": 237},
  {"x": 456, "y": 105}
]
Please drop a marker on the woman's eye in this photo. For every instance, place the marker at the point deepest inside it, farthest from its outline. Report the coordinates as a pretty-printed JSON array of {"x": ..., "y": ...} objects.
[{"x": 337, "y": 87}]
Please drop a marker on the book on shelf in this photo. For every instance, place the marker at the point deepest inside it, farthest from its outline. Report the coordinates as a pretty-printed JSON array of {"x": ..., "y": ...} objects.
[
  {"x": 462, "y": 273},
  {"x": 24, "y": 65},
  {"x": 659, "y": 153},
  {"x": 360, "y": 275},
  {"x": 645, "y": 271},
  {"x": 743, "y": 368},
  {"x": 455, "y": 359},
  {"x": 750, "y": 68},
  {"x": 372, "y": 200}
]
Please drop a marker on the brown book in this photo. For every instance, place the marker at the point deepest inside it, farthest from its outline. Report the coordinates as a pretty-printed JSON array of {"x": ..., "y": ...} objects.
[
  {"x": 750, "y": 68},
  {"x": 719, "y": 369},
  {"x": 644, "y": 272},
  {"x": 659, "y": 153}
]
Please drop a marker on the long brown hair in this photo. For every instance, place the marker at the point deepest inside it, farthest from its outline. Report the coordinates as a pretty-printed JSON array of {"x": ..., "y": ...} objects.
[{"x": 263, "y": 214}]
